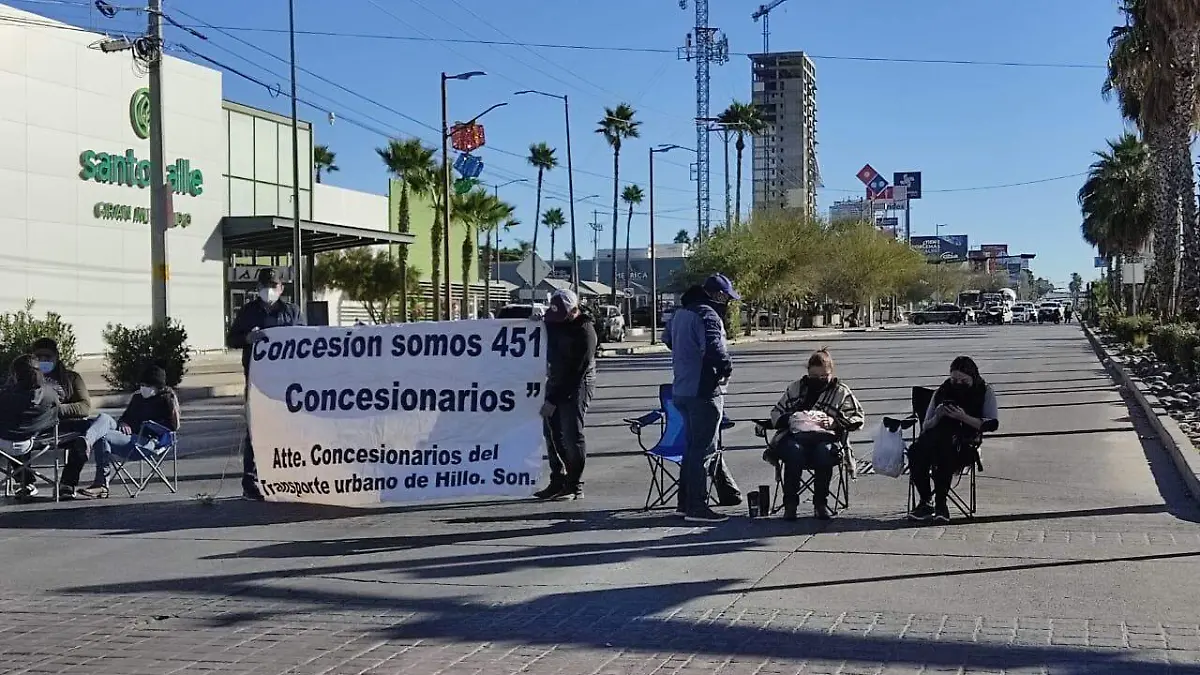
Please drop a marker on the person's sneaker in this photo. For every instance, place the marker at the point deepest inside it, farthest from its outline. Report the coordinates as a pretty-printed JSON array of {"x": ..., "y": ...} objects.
[
  {"x": 66, "y": 493},
  {"x": 253, "y": 496},
  {"x": 26, "y": 492},
  {"x": 922, "y": 512},
  {"x": 789, "y": 512},
  {"x": 941, "y": 514},
  {"x": 567, "y": 494},
  {"x": 94, "y": 492},
  {"x": 706, "y": 516},
  {"x": 822, "y": 512},
  {"x": 680, "y": 511},
  {"x": 549, "y": 491}
]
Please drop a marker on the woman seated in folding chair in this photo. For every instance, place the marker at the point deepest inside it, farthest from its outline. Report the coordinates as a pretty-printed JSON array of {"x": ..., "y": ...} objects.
[
  {"x": 812, "y": 417},
  {"x": 152, "y": 410},
  {"x": 29, "y": 407},
  {"x": 961, "y": 410}
]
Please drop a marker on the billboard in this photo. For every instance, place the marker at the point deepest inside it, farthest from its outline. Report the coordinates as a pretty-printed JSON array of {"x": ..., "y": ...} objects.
[
  {"x": 950, "y": 246},
  {"x": 852, "y": 209}
]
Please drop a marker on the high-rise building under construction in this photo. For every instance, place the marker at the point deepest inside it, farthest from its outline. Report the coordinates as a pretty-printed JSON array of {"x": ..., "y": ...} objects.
[{"x": 785, "y": 171}]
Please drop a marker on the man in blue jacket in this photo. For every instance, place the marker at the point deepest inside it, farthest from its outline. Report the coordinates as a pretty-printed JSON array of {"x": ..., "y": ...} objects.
[{"x": 696, "y": 337}]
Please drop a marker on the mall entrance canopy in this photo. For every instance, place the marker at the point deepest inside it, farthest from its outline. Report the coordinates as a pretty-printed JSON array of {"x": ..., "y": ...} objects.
[{"x": 273, "y": 235}]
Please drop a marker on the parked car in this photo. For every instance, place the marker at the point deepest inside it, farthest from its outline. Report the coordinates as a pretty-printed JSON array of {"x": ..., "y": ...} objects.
[
  {"x": 996, "y": 313},
  {"x": 944, "y": 313},
  {"x": 532, "y": 311},
  {"x": 640, "y": 317},
  {"x": 1024, "y": 312},
  {"x": 1050, "y": 311},
  {"x": 610, "y": 324}
]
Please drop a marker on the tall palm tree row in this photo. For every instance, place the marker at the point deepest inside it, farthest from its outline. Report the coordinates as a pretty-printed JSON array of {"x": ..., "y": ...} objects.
[
  {"x": 742, "y": 119},
  {"x": 412, "y": 164},
  {"x": 553, "y": 219},
  {"x": 541, "y": 157},
  {"x": 632, "y": 196},
  {"x": 1116, "y": 202},
  {"x": 478, "y": 210},
  {"x": 617, "y": 125},
  {"x": 324, "y": 160},
  {"x": 1153, "y": 72}
]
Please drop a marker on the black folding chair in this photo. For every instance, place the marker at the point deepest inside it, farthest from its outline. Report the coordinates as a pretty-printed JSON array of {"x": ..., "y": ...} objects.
[
  {"x": 921, "y": 397},
  {"x": 18, "y": 460},
  {"x": 665, "y": 457},
  {"x": 839, "y": 490}
]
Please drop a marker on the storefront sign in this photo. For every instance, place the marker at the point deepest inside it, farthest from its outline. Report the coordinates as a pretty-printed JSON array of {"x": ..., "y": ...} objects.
[
  {"x": 249, "y": 273},
  {"x": 133, "y": 214},
  {"x": 128, "y": 170}
]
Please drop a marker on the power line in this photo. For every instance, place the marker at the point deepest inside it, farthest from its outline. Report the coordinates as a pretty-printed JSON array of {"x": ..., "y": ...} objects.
[{"x": 979, "y": 188}]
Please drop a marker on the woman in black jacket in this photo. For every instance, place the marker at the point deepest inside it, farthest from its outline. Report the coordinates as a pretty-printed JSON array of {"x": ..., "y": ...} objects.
[
  {"x": 960, "y": 412},
  {"x": 29, "y": 407}
]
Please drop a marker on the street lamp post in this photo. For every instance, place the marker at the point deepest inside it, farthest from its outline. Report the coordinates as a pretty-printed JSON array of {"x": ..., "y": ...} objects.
[
  {"x": 570, "y": 181},
  {"x": 653, "y": 251},
  {"x": 496, "y": 251},
  {"x": 446, "y": 189}
]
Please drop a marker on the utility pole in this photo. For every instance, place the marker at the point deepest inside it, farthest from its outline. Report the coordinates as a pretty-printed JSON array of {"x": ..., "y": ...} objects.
[
  {"x": 707, "y": 49},
  {"x": 597, "y": 228},
  {"x": 160, "y": 196},
  {"x": 297, "y": 238}
]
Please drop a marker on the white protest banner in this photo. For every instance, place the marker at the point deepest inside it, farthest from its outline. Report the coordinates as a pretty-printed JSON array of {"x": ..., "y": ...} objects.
[{"x": 400, "y": 413}]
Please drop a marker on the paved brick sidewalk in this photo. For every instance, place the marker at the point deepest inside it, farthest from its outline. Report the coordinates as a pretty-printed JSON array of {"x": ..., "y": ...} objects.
[{"x": 132, "y": 635}]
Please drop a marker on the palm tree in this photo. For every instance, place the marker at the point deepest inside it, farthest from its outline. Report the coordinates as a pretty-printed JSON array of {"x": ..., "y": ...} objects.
[
  {"x": 617, "y": 125},
  {"x": 682, "y": 237},
  {"x": 1116, "y": 201},
  {"x": 553, "y": 219},
  {"x": 1152, "y": 66},
  {"x": 541, "y": 157},
  {"x": 742, "y": 119},
  {"x": 412, "y": 164},
  {"x": 477, "y": 210},
  {"x": 324, "y": 160},
  {"x": 632, "y": 196}
]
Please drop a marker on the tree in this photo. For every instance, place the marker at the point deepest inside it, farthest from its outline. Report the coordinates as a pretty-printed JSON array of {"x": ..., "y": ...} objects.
[
  {"x": 478, "y": 210},
  {"x": 632, "y": 195},
  {"x": 682, "y": 237},
  {"x": 1075, "y": 287},
  {"x": 324, "y": 160},
  {"x": 541, "y": 157},
  {"x": 411, "y": 163},
  {"x": 741, "y": 119},
  {"x": 370, "y": 277},
  {"x": 617, "y": 125},
  {"x": 553, "y": 219}
]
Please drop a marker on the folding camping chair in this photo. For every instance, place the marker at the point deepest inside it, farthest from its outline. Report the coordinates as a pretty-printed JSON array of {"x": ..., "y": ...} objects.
[
  {"x": 921, "y": 397},
  {"x": 665, "y": 457},
  {"x": 19, "y": 457},
  {"x": 839, "y": 490},
  {"x": 155, "y": 445}
]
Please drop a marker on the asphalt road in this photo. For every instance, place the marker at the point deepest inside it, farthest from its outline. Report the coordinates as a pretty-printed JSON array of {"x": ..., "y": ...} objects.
[{"x": 1083, "y": 558}]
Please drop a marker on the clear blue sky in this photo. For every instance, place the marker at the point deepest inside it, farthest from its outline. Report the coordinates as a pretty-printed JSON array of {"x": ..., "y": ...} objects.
[{"x": 964, "y": 126}]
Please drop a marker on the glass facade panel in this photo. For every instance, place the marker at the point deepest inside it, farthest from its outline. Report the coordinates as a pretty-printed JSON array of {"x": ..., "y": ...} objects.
[
  {"x": 241, "y": 197},
  {"x": 241, "y": 145},
  {"x": 266, "y": 151},
  {"x": 266, "y": 199},
  {"x": 285, "y": 154}
]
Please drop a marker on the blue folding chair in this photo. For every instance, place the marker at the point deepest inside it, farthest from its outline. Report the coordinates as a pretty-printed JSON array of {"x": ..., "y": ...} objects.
[
  {"x": 666, "y": 455},
  {"x": 155, "y": 445}
]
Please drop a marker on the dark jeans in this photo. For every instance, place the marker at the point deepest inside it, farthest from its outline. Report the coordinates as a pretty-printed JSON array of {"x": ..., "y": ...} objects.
[
  {"x": 566, "y": 446},
  {"x": 92, "y": 430},
  {"x": 935, "y": 452},
  {"x": 701, "y": 421},
  {"x": 249, "y": 470},
  {"x": 817, "y": 455}
]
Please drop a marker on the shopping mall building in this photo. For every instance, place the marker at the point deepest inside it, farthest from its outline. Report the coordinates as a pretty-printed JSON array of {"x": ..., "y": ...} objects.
[{"x": 74, "y": 195}]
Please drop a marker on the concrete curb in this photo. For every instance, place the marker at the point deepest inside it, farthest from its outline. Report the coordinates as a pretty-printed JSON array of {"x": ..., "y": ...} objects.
[
  {"x": 778, "y": 337},
  {"x": 1179, "y": 446},
  {"x": 119, "y": 400}
]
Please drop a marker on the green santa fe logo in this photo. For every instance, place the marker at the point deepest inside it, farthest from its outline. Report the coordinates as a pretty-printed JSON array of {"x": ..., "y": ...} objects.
[{"x": 139, "y": 113}]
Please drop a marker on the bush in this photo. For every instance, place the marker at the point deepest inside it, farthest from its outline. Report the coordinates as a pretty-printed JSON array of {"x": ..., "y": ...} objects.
[
  {"x": 1132, "y": 329},
  {"x": 18, "y": 330},
  {"x": 1176, "y": 344},
  {"x": 130, "y": 349},
  {"x": 733, "y": 320}
]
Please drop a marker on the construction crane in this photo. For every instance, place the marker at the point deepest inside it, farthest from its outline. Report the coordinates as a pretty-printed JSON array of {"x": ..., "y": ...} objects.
[{"x": 764, "y": 13}]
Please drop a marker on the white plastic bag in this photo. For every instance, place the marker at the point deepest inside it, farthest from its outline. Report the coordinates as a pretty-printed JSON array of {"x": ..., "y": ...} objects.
[{"x": 888, "y": 453}]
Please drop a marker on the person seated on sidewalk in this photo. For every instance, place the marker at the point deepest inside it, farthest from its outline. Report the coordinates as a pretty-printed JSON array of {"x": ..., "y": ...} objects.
[
  {"x": 154, "y": 403},
  {"x": 78, "y": 421},
  {"x": 812, "y": 416},
  {"x": 961, "y": 410},
  {"x": 29, "y": 407}
]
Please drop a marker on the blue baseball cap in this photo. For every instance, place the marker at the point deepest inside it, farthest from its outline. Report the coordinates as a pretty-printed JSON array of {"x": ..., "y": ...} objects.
[{"x": 719, "y": 283}]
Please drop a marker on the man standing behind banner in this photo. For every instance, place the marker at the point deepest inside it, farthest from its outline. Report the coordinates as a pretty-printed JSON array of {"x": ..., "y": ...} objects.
[
  {"x": 696, "y": 337},
  {"x": 570, "y": 383},
  {"x": 249, "y": 326}
]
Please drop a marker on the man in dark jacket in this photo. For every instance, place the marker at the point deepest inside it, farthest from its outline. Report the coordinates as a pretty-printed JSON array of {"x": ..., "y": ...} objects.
[
  {"x": 79, "y": 425},
  {"x": 250, "y": 326},
  {"x": 570, "y": 383},
  {"x": 701, "y": 364},
  {"x": 29, "y": 406}
]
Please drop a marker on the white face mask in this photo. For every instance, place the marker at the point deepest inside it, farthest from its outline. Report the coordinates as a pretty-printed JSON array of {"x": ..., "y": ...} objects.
[
  {"x": 148, "y": 392},
  {"x": 268, "y": 295}
]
